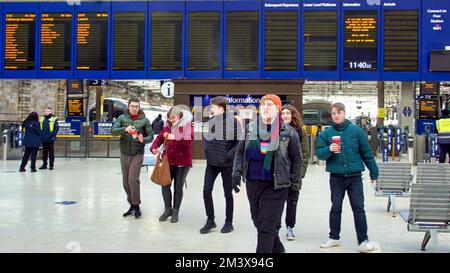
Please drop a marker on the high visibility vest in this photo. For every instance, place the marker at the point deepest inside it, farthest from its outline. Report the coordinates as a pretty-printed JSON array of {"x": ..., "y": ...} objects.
[
  {"x": 51, "y": 123},
  {"x": 443, "y": 125}
]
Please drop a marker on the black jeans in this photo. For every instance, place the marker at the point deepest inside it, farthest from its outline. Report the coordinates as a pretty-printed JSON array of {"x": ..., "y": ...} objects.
[
  {"x": 291, "y": 208},
  {"x": 178, "y": 175},
  {"x": 445, "y": 149},
  {"x": 29, "y": 152},
  {"x": 266, "y": 208},
  {"x": 354, "y": 187},
  {"x": 49, "y": 151},
  {"x": 211, "y": 174}
]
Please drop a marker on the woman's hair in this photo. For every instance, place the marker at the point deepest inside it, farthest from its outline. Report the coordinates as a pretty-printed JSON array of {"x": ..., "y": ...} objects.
[
  {"x": 297, "y": 121},
  {"x": 174, "y": 111},
  {"x": 33, "y": 116}
]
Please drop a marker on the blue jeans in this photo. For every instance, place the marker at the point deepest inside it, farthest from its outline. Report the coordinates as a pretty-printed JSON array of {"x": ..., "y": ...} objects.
[{"x": 353, "y": 185}]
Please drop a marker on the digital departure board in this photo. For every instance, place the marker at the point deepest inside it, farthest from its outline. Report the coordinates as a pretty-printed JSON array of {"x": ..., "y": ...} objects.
[
  {"x": 166, "y": 42},
  {"x": 204, "y": 41},
  {"x": 401, "y": 40},
  {"x": 320, "y": 40},
  {"x": 92, "y": 41},
  {"x": 129, "y": 41},
  {"x": 56, "y": 41},
  {"x": 360, "y": 40},
  {"x": 281, "y": 52},
  {"x": 428, "y": 108},
  {"x": 20, "y": 41},
  {"x": 242, "y": 41}
]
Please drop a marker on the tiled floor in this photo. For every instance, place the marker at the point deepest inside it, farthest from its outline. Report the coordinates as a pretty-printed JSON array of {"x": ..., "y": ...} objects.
[{"x": 30, "y": 221}]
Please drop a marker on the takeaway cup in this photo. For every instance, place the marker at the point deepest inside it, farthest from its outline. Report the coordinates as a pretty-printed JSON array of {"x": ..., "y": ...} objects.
[{"x": 337, "y": 140}]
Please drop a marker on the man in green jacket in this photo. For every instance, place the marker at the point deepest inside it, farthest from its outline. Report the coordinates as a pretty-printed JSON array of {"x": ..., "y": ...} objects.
[
  {"x": 135, "y": 131},
  {"x": 345, "y": 163}
]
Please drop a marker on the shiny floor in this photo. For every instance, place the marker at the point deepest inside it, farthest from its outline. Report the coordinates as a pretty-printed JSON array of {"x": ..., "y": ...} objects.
[{"x": 30, "y": 221}]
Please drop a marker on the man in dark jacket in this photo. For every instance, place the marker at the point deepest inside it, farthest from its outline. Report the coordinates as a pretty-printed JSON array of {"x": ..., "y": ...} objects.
[
  {"x": 49, "y": 130},
  {"x": 222, "y": 142},
  {"x": 158, "y": 124},
  {"x": 135, "y": 131},
  {"x": 269, "y": 161},
  {"x": 345, "y": 163}
]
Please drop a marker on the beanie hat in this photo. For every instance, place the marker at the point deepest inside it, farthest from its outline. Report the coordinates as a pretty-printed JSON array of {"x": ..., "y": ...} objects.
[{"x": 275, "y": 99}]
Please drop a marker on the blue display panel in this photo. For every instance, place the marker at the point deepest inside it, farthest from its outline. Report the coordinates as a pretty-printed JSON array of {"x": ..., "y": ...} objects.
[
  {"x": 129, "y": 50},
  {"x": 20, "y": 26},
  {"x": 281, "y": 54},
  {"x": 56, "y": 40},
  {"x": 243, "y": 40},
  {"x": 360, "y": 21},
  {"x": 167, "y": 35},
  {"x": 400, "y": 44},
  {"x": 321, "y": 37},
  {"x": 1, "y": 40},
  {"x": 435, "y": 35},
  {"x": 93, "y": 40},
  {"x": 204, "y": 39}
]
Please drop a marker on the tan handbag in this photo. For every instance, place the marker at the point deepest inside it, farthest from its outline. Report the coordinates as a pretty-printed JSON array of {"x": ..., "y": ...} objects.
[{"x": 161, "y": 171}]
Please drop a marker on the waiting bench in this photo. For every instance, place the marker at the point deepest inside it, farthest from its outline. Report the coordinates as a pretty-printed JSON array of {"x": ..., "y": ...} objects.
[
  {"x": 433, "y": 173},
  {"x": 394, "y": 180}
]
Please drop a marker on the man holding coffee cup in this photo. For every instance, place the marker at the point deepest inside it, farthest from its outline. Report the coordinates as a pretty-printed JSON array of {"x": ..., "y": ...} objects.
[
  {"x": 346, "y": 149},
  {"x": 135, "y": 131}
]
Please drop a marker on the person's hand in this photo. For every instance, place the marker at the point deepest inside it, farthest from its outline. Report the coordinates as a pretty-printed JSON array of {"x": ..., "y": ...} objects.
[
  {"x": 141, "y": 138},
  {"x": 373, "y": 181},
  {"x": 295, "y": 187},
  {"x": 129, "y": 128},
  {"x": 334, "y": 148},
  {"x": 170, "y": 137},
  {"x": 155, "y": 151},
  {"x": 165, "y": 134},
  {"x": 236, "y": 182}
]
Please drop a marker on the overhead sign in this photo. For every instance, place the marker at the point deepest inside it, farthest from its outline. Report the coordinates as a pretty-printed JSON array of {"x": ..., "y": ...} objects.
[
  {"x": 75, "y": 87},
  {"x": 407, "y": 111},
  {"x": 429, "y": 88},
  {"x": 98, "y": 82},
  {"x": 168, "y": 89},
  {"x": 75, "y": 107}
]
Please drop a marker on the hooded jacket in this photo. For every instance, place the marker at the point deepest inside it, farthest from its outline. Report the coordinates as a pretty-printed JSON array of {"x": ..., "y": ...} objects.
[
  {"x": 128, "y": 145},
  {"x": 178, "y": 150},
  {"x": 32, "y": 138}
]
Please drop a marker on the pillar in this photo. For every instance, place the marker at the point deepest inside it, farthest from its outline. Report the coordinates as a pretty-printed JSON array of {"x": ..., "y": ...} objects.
[{"x": 407, "y": 107}]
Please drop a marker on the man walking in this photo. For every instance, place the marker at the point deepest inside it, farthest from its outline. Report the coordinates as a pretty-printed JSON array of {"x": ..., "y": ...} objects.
[
  {"x": 49, "y": 130},
  {"x": 135, "y": 131},
  {"x": 158, "y": 124}
]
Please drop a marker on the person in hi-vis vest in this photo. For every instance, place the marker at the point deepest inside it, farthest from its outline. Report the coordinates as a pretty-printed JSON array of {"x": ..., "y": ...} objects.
[
  {"x": 443, "y": 128},
  {"x": 49, "y": 130}
]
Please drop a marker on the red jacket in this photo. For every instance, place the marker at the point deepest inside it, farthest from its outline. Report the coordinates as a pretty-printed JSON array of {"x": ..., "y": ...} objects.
[{"x": 180, "y": 149}]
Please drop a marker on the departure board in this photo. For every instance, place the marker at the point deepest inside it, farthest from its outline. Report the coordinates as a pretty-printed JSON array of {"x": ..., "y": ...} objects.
[
  {"x": 281, "y": 52},
  {"x": 129, "y": 41},
  {"x": 360, "y": 40},
  {"x": 428, "y": 108},
  {"x": 56, "y": 41},
  {"x": 242, "y": 41},
  {"x": 320, "y": 40},
  {"x": 20, "y": 41},
  {"x": 92, "y": 41},
  {"x": 401, "y": 40},
  {"x": 204, "y": 41},
  {"x": 166, "y": 42}
]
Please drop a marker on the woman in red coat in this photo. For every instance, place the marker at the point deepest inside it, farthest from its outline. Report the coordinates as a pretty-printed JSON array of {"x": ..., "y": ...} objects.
[{"x": 179, "y": 135}]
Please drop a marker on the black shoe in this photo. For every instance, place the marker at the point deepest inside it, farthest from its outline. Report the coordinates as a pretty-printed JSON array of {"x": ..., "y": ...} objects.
[
  {"x": 51, "y": 168},
  {"x": 137, "y": 212},
  {"x": 167, "y": 213},
  {"x": 174, "y": 218},
  {"x": 33, "y": 170},
  {"x": 208, "y": 226},
  {"x": 22, "y": 170},
  {"x": 43, "y": 167},
  {"x": 227, "y": 228},
  {"x": 129, "y": 212}
]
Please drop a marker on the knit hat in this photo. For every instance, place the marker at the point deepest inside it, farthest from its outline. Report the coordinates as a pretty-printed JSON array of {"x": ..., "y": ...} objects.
[{"x": 275, "y": 99}]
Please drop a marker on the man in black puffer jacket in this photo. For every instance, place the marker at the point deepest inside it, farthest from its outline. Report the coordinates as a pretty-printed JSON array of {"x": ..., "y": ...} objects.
[{"x": 222, "y": 139}]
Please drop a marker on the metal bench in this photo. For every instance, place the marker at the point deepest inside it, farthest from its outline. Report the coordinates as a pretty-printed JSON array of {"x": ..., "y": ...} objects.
[
  {"x": 433, "y": 173},
  {"x": 429, "y": 211},
  {"x": 394, "y": 180}
]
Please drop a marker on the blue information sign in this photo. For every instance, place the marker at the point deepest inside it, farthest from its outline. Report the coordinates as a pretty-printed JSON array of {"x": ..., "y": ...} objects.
[{"x": 69, "y": 129}]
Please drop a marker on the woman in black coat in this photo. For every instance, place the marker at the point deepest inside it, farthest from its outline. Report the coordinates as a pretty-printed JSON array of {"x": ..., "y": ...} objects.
[{"x": 31, "y": 141}]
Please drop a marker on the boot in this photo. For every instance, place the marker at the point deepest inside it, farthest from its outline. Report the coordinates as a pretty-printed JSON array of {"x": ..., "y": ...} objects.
[
  {"x": 129, "y": 212},
  {"x": 167, "y": 213},
  {"x": 22, "y": 170},
  {"x": 174, "y": 218},
  {"x": 227, "y": 228},
  {"x": 137, "y": 212},
  {"x": 208, "y": 226},
  {"x": 43, "y": 167}
]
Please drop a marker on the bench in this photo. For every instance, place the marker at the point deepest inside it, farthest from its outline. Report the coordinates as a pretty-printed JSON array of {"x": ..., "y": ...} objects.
[
  {"x": 429, "y": 211},
  {"x": 433, "y": 173},
  {"x": 394, "y": 180}
]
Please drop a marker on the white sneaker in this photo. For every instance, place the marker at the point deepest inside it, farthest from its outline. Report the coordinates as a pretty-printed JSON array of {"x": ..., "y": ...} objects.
[
  {"x": 290, "y": 234},
  {"x": 366, "y": 246},
  {"x": 330, "y": 243}
]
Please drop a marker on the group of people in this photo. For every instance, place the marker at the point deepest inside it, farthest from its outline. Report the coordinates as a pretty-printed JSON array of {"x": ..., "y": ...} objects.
[
  {"x": 270, "y": 155},
  {"x": 39, "y": 132}
]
